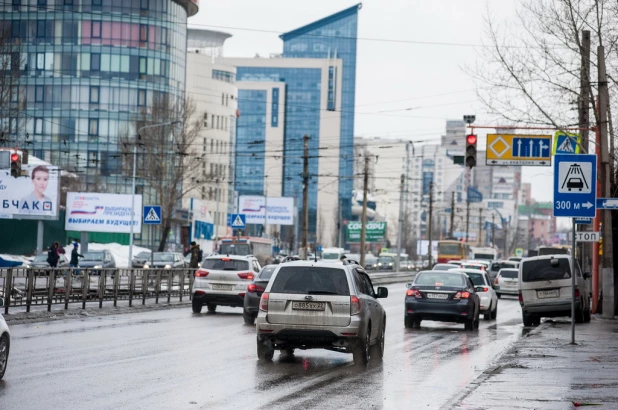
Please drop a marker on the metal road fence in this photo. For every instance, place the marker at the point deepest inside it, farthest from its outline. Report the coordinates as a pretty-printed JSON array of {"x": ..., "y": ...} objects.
[{"x": 28, "y": 287}]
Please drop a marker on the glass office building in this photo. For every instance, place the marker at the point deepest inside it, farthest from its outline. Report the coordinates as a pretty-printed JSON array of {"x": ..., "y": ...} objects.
[{"x": 88, "y": 70}]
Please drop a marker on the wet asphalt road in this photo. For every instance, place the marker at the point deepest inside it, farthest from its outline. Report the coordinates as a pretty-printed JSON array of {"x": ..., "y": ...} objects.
[{"x": 174, "y": 359}]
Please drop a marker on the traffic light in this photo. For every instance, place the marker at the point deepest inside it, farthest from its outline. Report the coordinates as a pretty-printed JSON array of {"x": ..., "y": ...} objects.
[
  {"x": 15, "y": 165},
  {"x": 470, "y": 150}
]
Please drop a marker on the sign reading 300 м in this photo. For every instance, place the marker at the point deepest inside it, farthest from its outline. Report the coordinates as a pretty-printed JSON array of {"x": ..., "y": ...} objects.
[{"x": 513, "y": 149}]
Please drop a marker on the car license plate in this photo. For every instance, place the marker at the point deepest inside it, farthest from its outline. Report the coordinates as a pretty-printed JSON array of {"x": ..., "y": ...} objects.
[
  {"x": 308, "y": 305},
  {"x": 542, "y": 294},
  {"x": 437, "y": 296},
  {"x": 222, "y": 287}
]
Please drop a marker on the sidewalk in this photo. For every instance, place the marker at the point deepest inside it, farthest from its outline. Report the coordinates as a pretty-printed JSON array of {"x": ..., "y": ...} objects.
[{"x": 543, "y": 371}]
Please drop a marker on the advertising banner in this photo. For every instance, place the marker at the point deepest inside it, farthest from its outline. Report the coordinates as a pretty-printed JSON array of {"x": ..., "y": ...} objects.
[
  {"x": 376, "y": 231},
  {"x": 94, "y": 212},
  {"x": 280, "y": 210},
  {"x": 34, "y": 196}
]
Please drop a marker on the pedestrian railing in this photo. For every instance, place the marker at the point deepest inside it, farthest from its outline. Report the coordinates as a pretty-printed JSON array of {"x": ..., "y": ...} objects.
[{"x": 27, "y": 287}]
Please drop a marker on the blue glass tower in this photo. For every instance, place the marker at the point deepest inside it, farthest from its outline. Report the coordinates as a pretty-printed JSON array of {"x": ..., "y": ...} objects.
[{"x": 334, "y": 36}]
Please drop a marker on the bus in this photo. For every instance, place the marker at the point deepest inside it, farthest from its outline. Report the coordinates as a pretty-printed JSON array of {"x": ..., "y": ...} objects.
[
  {"x": 449, "y": 250},
  {"x": 261, "y": 248},
  {"x": 487, "y": 254}
]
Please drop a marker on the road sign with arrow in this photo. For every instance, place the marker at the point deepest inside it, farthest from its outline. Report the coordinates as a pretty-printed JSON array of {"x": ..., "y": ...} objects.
[
  {"x": 513, "y": 149},
  {"x": 575, "y": 189}
]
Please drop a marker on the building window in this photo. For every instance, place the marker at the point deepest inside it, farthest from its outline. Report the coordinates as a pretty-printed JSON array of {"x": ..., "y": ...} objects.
[
  {"x": 143, "y": 63},
  {"x": 94, "y": 95},
  {"x": 227, "y": 100},
  {"x": 42, "y": 4},
  {"x": 39, "y": 93},
  {"x": 144, "y": 4},
  {"x": 40, "y": 29},
  {"x": 16, "y": 4},
  {"x": 205, "y": 120},
  {"x": 95, "y": 62},
  {"x": 222, "y": 99},
  {"x": 143, "y": 32},
  {"x": 93, "y": 126},
  {"x": 211, "y": 145},
  {"x": 93, "y": 159},
  {"x": 38, "y": 126},
  {"x": 97, "y": 3},
  {"x": 141, "y": 98},
  {"x": 95, "y": 29}
]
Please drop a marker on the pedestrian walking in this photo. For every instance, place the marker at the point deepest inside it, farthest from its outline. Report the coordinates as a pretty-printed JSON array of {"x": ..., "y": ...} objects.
[
  {"x": 195, "y": 256},
  {"x": 75, "y": 255},
  {"x": 52, "y": 255}
]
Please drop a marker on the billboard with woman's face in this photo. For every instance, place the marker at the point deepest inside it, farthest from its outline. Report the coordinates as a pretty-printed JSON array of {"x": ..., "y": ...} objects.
[{"x": 34, "y": 196}]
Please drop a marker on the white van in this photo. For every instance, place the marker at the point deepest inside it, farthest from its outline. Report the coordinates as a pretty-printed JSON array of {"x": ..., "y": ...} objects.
[
  {"x": 332, "y": 255},
  {"x": 545, "y": 289}
]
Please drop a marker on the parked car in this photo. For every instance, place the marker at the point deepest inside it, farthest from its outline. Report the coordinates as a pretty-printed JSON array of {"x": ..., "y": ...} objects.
[
  {"x": 96, "y": 260},
  {"x": 166, "y": 260},
  {"x": 545, "y": 289},
  {"x": 484, "y": 288},
  {"x": 40, "y": 261},
  {"x": 254, "y": 293},
  {"x": 5, "y": 343},
  {"x": 444, "y": 296},
  {"x": 141, "y": 259},
  {"x": 321, "y": 306},
  {"x": 506, "y": 282},
  {"x": 222, "y": 280}
]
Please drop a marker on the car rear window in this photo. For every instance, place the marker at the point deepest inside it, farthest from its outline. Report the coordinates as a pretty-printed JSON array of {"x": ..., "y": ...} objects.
[
  {"x": 311, "y": 280},
  {"x": 432, "y": 278},
  {"x": 267, "y": 272},
  {"x": 509, "y": 273},
  {"x": 477, "y": 279},
  {"x": 541, "y": 270},
  {"x": 496, "y": 266},
  {"x": 225, "y": 264},
  {"x": 444, "y": 266}
]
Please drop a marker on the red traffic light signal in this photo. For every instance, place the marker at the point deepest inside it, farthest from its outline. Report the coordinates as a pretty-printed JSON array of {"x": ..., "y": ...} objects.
[
  {"x": 15, "y": 165},
  {"x": 14, "y": 157},
  {"x": 471, "y": 139},
  {"x": 470, "y": 159}
]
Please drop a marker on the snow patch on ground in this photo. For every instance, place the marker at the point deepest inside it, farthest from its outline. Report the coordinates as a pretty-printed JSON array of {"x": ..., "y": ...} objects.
[{"x": 119, "y": 252}]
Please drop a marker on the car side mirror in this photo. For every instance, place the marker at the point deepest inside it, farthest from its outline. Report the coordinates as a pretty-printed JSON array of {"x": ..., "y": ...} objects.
[
  {"x": 1, "y": 302},
  {"x": 408, "y": 285},
  {"x": 587, "y": 275},
  {"x": 382, "y": 293}
]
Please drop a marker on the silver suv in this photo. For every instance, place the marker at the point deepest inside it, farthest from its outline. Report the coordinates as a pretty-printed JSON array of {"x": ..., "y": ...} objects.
[
  {"x": 318, "y": 305},
  {"x": 222, "y": 280}
]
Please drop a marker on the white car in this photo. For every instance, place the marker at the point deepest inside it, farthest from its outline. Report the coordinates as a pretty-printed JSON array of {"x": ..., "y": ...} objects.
[
  {"x": 222, "y": 280},
  {"x": 506, "y": 282},
  {"x": 5, "y": 343},
  {"x": 485, "y": 290}
]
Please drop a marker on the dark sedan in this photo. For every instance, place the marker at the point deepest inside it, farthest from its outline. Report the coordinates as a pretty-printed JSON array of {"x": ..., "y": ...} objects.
[
  {"x": 254, "y": 293},
  {"x": 165, "y": 260},
  {"x": 443, "y": 296},
  {"x": 141, "y": 259},
  {"x": 97, "y": 260}
]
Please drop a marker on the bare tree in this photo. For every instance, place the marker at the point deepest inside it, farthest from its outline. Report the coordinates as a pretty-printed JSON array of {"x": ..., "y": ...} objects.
[{"x": 168, "y": 157}]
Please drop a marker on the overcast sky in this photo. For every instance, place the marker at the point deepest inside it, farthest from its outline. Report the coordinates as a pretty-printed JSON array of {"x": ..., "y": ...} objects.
[{"x": 419, "y": 86}]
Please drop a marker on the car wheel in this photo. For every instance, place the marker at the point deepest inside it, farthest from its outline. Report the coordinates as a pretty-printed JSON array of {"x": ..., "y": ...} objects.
[
  {"x": 408, "y": 322},
  {"x": 475, "y": 323},
  {"x": 499, "y": 295},
  {"x": 587, "y": 315},
  {"x": 5, "y": 344},
  {"x": 487, "y": 315},
  {"x": 536, "y": 320},
  {"x": 378, "y": 348},
  {"x": 197, "y": 306},
  {"x": 361, "y": 353},
  {"x": 469, "y": 324},
  {"x": 417, "y": 324},
  {"x": 527, "y": 319},
  {"x": 211, "y": 308},
  {"x": 249, "y": 319},
  {"x": 579, "y": 316},
  {"x": 494, "y": 314},
  {"x": 264, "y": 352}
]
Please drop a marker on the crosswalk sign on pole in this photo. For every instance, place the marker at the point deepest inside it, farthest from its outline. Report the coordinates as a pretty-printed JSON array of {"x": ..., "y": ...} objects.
[
  {"x": 152, "y": 215},
  {"x": 566, "y": 143},
  {"x": 238, "y": 221}
]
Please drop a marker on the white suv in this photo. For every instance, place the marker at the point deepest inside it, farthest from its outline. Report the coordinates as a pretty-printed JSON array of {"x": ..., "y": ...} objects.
[
  {"x": 321, "y": 305},
  {"x": 222, "y": 280}
]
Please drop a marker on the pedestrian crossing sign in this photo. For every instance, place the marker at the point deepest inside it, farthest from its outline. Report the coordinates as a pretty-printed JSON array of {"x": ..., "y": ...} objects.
[
  {"x": 238, "y": 221},
  {"x": 152, "y": 215},
  {"x": 566, "y": 143}
]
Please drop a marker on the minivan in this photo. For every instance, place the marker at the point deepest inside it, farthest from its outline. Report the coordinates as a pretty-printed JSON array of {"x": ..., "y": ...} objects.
[{"x": 545, "y": 289}]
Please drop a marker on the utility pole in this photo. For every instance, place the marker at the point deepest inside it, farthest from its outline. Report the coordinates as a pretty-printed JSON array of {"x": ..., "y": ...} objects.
[
  {"x": 467, "y": 217},
  {"x": 430, "y": 224},
  {"x": 450, "y": 232},
  {"x": 606, "y": 261},
  {"x": 303, "y": 252},
  {"x": 584, "y": 123},
  {"x": 400, "y": 228},
  {"x": 493, "y": 228},
  {"x": 364, "y": 213},
  {"x": 480, "y": 226}
]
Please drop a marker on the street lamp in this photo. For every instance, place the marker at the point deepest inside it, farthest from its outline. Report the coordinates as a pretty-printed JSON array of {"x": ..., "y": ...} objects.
[{"x": 133, "y": 183}]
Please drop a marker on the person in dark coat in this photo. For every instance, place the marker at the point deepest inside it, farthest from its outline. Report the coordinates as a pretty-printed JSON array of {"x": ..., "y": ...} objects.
[
  {"x": 52, "y": 255},
  {"x": 195, "y": 256},
  {"x": 75, "y": 255}
]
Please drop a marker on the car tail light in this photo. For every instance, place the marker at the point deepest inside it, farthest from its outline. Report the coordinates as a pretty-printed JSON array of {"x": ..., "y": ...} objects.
[
  {"x": 485, "y": 289},
  {"x": 201, "y": 273},
  {"x": 521, "y": 297},
  {"x": 200, "y": 292},
  {"x": 576, "y": 293},
  {"x": 496, "y": 281},
  {"x": 246, "y": 275},
  {"x": 242, "y": 295},
  {"x": 415, "y": 293},
  {"x": 252, "y": 288},
  {"x": 461, "y": 295},
  {"x": 226, "y": 259},
  {"x": 355, "y": 305},
  {"x": 264, "y": 302}
]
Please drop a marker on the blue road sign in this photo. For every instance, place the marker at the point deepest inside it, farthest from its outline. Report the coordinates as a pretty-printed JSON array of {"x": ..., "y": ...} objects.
[
  {"x": 152, "y": 215},
  {"x": 566, "y": 143},
  {"x": 319, "y": 248},
  {"x": 530, "y": 147},
  {"x": 238, "y": 221},
  {"x": 583, "y": 221},
  {"x": 607, "y": 203},
  {"x": 575, "y": 185}
]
